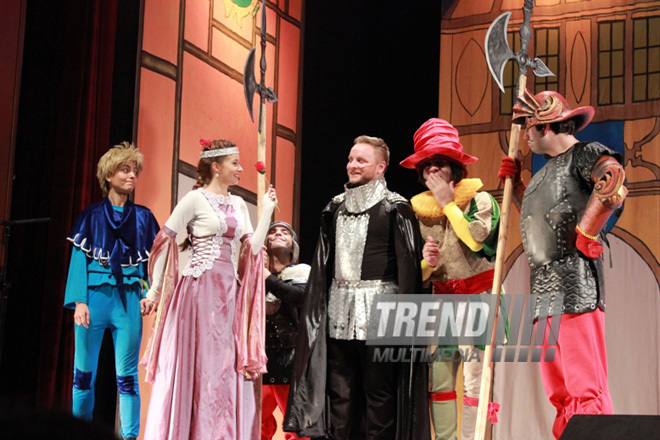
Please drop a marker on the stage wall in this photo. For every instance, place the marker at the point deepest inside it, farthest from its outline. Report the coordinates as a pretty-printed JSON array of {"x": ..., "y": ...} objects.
[
  {"x": 605, "y": 54},
  {"x": 190, "y": 86}
]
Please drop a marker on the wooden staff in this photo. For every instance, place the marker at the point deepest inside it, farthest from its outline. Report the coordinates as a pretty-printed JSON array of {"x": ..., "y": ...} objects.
[
  {"x": 487, "y": 372},
  {"x": 497, "y": 54},
  {"x": 250, "y": 86}
]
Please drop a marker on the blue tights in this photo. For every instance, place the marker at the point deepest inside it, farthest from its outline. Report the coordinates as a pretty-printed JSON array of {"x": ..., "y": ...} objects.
[{"x": 107, "y": 311}]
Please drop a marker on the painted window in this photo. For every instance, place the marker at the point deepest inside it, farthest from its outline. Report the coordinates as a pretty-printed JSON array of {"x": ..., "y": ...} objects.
[
  {"x": 546, "y": 48},
  {"x": 646, "y": 59},
  {"x": 611, "y": 62}
]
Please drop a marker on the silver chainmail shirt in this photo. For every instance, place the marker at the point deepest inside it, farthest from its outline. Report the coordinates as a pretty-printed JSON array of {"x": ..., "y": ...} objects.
[{"x": 350, "y": 297}]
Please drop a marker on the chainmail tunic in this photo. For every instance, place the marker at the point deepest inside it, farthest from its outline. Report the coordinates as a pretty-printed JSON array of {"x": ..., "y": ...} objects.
[{"x": 364, "y": 249}]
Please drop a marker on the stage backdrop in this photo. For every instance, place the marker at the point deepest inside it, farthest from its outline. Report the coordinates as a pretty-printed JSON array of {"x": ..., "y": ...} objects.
[
  {"x": 605, "y": 54},
  {"x": 10, "y": 75},
  {"x": 190, "y": 86}
]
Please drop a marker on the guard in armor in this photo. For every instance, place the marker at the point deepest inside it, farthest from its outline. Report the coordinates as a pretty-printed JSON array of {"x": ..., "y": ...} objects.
[
  {"x": 285, "y": 284},
  {"x": 368, "y": 246},
  {"x": 564, "y": 210}
]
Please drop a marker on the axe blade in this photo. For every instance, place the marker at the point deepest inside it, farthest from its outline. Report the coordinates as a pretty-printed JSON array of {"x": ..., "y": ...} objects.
[
  {"x": 497, "y": 48},
  {"x": 249, "y": 81}
]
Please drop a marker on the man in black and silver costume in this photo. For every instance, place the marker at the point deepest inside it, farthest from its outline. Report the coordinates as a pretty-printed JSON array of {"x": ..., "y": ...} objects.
[{"x": 369, "y": 245}]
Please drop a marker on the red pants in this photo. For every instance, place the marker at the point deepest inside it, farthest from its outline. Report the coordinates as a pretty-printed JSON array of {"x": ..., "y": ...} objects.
[
  {"x": 273, "y": 396},
  {"x": 576, "y": 381}
]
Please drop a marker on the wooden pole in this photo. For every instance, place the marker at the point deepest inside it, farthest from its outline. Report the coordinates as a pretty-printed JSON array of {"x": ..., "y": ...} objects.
[
  {"x": 523, "y": 63},
  {"x": 261, "y": 155},
  {"x": 261, "y": 190},
  {"x": 487, "y": 372}
]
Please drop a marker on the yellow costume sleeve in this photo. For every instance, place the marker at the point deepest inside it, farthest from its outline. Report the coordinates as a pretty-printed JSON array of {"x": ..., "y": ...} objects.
[
  {"x": 427, "y": 270},
  {"x": 461, "y": 226}
]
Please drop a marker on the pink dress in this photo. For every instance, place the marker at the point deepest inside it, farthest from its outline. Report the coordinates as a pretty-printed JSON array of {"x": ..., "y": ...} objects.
[{"x": 197, "y": 392}]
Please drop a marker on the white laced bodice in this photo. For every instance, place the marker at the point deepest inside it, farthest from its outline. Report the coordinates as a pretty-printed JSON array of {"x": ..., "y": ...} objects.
[
  {"x": 205, "y": 250},
  {"x": 210, "y": 220}
]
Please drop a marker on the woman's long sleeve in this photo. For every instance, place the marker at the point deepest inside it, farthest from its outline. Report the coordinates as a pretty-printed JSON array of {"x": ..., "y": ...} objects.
[
  {"x": 183, "y": 213},
  {"x": 259, "y": 235}
]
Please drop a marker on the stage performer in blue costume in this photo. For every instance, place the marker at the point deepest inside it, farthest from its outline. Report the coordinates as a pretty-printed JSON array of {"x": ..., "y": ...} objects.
[{"x": 111, "y": 241}]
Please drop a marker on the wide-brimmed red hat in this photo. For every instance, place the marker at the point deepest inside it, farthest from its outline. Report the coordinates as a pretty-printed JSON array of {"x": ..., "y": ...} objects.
[
  {"x": 437, "y": 136},
  {"x": 548, "y": 107}
]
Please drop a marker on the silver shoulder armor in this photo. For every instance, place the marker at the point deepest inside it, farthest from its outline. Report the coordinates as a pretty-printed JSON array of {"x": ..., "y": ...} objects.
[
  {"x": 394, "y": 197},
  {"x": 339, "y": 198}
]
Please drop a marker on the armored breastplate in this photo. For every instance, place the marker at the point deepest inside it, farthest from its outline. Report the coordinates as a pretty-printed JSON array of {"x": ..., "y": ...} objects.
[{"x": 553, "y": 203}]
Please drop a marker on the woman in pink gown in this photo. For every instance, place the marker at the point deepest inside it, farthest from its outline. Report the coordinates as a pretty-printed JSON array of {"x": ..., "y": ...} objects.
[{"x": 206, "y": 346}]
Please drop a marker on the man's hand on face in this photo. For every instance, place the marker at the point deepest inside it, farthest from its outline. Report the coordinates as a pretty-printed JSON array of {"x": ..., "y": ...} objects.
[{"x": 442, "y": 191}]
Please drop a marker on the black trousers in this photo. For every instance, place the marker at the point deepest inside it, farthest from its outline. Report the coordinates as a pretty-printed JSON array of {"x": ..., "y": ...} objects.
[{"x": 362, "y": 393}]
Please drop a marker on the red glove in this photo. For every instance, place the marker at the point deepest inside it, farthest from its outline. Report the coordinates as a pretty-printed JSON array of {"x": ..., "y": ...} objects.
[
  {"x": 510, "y": 167},
  {"x": 590, "y": 248}
]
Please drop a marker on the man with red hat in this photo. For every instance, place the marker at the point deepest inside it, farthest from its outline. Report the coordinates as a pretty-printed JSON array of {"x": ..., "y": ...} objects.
[
  {"x": 461, "y": 225},
  {"x": 564, "y": 209}
]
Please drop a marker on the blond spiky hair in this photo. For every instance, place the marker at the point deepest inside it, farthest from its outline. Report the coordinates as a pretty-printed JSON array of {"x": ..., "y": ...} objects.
[{"x": 116, "y": 157}]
